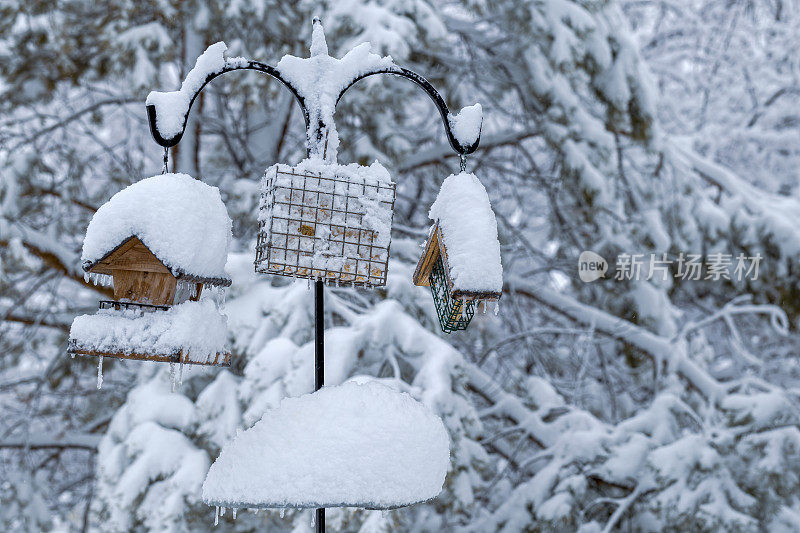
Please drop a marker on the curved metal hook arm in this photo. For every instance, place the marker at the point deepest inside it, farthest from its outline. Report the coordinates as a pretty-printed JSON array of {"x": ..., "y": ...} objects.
[
  {"x": 434, "y": 95},
  {"x": 248, "y": 65}
]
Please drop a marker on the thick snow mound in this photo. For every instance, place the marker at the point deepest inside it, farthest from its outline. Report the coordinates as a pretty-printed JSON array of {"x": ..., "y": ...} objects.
[
  {"x": 180, "y": 219},
  {"x": 469, "y": 229},
  {"x": 352, "y": 445},
  {"x": 197, "y": 328}
]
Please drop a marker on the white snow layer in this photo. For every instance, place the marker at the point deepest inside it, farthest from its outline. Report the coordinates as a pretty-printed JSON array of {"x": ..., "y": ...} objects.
[
  {"x": 469, "y": 230},
  {"x": 181, "y": 220},
  {"x": 320, "y": 78},
  {"x": 197, "y": 328},
  {"x": 172, "y": 107},
  {"x": 466, "y": 125},
  {"x": 352, "y": 445}
]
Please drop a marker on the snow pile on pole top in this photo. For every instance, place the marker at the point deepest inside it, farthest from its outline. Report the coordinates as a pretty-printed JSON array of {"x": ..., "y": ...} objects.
[
  {"x": 352, "y": 445},
  {"x": 469, "y": 230},
  {"x": 320, "y": 79},
  {"x": 466, "y": 125},
  {"x": 181, "y": 220},
  {"x": 196, "y": 328},
  {"x": 172, "y": 107}
]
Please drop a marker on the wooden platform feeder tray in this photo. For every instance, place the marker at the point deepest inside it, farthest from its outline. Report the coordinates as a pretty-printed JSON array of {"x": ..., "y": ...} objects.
[{"x": 219, "y": 359}]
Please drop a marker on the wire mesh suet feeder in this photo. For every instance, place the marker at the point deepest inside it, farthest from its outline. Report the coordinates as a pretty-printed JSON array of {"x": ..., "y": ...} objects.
[{"x": 326, "y": 222}]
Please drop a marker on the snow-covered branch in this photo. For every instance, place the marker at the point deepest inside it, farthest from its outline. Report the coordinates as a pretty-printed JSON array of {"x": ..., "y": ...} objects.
[
  {"x": 440, "y": 152},
  {"x": 81, "y": 441},
  {"x": 662, "y": 350},
  {"x": 49, "y": 250}
]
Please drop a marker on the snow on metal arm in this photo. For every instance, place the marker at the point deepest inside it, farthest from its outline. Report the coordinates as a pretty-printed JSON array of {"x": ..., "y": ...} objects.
[
  {"x": 463, "y": 144},
  {"x": 317, "y": 82},
  {"x": 168, "y": 141}
]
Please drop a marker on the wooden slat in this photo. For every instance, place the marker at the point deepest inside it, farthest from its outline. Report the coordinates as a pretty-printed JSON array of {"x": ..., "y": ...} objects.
[
  {"x": 422, "y": 274},
  {"x": 156, "y": 288},
  {"x": 219, "y": 359}
]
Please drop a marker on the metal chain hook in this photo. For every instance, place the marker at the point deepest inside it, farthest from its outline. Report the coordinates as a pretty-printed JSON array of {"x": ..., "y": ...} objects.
[
  {"x": 166, "y": 160},
  {"x": 463, "y": 158}
]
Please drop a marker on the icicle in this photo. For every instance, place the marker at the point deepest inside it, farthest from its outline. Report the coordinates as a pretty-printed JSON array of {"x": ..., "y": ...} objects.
[
  {"x": 485, "y": 305},
  {"x": 496, "y": 308},
  {"x": 256, "y": 511},
  {"x": 216, "y": 516},
  {"x": 308, "y": 284},
  {"x": 282, "y": 513},
  {"x": 72, "y": 355},
  {"x": 180, "y": 375},
  {"x": 234, "y": 513},
  {"x": 313, "y": 517},
  {"x": 100, "y": 373},
  {"x": 86, "y": 277},
  {"x": 172, "y": 375},
  {"x": 103, "y": 280},
  {"x": 222, "y": 512}
]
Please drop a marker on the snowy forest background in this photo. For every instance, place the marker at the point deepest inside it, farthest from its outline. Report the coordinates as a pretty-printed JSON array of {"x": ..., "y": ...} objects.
[{"x": 618, "y": 126}]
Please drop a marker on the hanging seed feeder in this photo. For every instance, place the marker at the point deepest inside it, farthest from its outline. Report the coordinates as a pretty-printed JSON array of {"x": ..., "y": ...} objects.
[
  {"x": 461, "y": 258},
  {"x": 326, "y": 221},
  {"x": 159, "y": 243}
]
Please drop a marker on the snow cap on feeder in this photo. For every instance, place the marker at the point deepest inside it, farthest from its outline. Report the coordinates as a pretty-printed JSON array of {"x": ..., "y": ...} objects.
[
  {"x": 158, "y": 243},
  {"x": 461, "y": 259},
  {"x": 156, "y": 234},
  {"x": 351, "y": 445}
]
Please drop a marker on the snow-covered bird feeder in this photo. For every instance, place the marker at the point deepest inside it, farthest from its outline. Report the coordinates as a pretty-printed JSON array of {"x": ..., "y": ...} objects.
[
  {"x": 322, "y": 220},
  {"x": 352, "y": 445},
  {"x": 158, "y": 243},
  {"x": 461, "y": 259}
]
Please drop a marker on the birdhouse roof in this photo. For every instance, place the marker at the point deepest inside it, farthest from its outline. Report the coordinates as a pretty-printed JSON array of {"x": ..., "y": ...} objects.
[
  {"x": 182, "y": 221},
  {"x": 467, "y": 230}
]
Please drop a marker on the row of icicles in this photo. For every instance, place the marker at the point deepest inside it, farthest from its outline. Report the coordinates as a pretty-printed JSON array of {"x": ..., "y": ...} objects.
[{"x": 175, "y": 378}]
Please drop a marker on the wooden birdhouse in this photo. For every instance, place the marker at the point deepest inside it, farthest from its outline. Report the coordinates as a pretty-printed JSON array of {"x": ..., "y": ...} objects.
[
  {"x": 326, "y": 221},
  {"x": 138, "y": 276},
  {"x": 158, "y": 243},
  {"x": 461, "y": 258}
]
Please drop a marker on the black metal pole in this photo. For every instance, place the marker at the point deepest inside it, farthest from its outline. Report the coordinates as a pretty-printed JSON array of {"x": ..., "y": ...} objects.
[{"x": 319, "y": 363}]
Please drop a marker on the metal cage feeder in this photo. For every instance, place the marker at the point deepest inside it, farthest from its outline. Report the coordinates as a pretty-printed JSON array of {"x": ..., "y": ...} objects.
[{"x": 332, "y": 225}]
